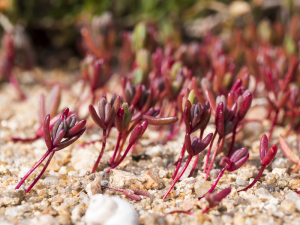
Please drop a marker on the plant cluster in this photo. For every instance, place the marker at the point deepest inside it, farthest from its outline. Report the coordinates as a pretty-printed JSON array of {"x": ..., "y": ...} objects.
[{"x": 196, "y": 84}]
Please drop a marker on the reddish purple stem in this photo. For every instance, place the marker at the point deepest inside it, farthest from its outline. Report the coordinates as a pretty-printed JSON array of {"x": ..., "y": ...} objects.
[
  {"x": 179, "y": 161},
  {"x": 256, "y": 178},
  {"x": 32, "y": 169},
  {"x": 122, "y": 158},
  {"x": 213, "y": 158},
  {"x": 116, "y": 149},
  {"x": 42, "y": 172},
  {"x": 101, "y": 153},
  {"x": 180, "y": 175},
  {"x": 209, "y": 150},
  {"x": 216, "y": 182},
  {"x": 25, "y": 139},
  {"x": 233, "y": 139}
]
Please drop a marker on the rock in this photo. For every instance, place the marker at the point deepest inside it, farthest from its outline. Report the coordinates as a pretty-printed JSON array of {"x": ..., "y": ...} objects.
[
  {"x": 9, "y": 201},
  {"x": 298, "y": 206},
  {"x": 58, "y": 199},
  {"x": 12, "y": 193},
  {"x": 263, "y": 194},
  {"x": 294, "y": 184},
  {"x": 94, "y": 187},
  {"x": 76, "y": 214},
  {"x": 104, "y": 210},
  {"x": 53, "y": 165},
  {"x": 154, "y": 219},
  {"x": 14, "y": 212},
  {"x": 252, "y": 130},
  {"x": 156, "y": 150},
  {"x": 185, "y": 185},
  {"x": 241, "y": 182},
  {"x": 227, "y": 219},
  {"x": 162, "y": 173},
  {"x": 64, "y": 219},
  {"x": 45, "y": 220},
  {"x": 279, "y": 171},
  {"x": 4, "y": 171},
  {"x": 283, "y": 163},
  {"x": 292, "y": 196},
  {"x": 214, "y": 173},
  {"x": 271, "y": 178},
  {"x": 84, "y": 159},
  {"x": 201, "y": 187},
  {"x": 152, "y": 180},
  {"x": 122, "y": 179},
  {"x": 288, "y": 207}
]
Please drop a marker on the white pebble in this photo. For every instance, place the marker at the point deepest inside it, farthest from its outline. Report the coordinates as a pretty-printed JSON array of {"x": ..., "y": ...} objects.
[{"x": 104, "y": 210}]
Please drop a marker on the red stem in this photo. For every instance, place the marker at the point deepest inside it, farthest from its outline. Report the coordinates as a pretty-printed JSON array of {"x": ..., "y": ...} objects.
[
  {"x": 256, "y": 178},
  {"x": 233, "y": 139},
  {"x": 32, "y": 169},
  {"x": 25, "y": 139},
  {"x": 116, "y": 149},
  {"x": 112, "y": 188},
  {"x": 122, "y": 158},
  {"x": 101, "y": 153},
  {"x": 273, "y": 124},
  {"x": 209, "y": 150},
  {"x": 216, "y": 182},
  {"x": 179, "y": 161},
  {"x": 42, "y": 172},
  {"x": 180, "y": 175},
  {"x": 213, "y": 158}
]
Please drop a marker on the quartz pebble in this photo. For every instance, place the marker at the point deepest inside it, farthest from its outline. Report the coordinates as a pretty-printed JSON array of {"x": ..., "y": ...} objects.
[
  {"x": 263, "y": 194},
  {"x": 241, "y": 182},
  {"x": 104, "y": 210},
  {"x": 288, "y": 207},
  {"x": 202, "y": 187},
  {"x": 94, "y": 187},
  {"x": 292, "y": 196},
  {"x": 122, "y": 179},
  {"x": 283, "y": 163}
]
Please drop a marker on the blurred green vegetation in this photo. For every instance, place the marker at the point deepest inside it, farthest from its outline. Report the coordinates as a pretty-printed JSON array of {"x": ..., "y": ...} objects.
[{"x": 49, "y": 12}]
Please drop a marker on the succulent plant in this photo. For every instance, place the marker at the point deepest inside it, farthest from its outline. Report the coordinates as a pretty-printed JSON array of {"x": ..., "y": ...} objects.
[
  {"x": 65, "y": 132},
  {"x": 238, "y": 159},
  {"x": 194, "y": 148},
  {"x": 266, "y": 157}
]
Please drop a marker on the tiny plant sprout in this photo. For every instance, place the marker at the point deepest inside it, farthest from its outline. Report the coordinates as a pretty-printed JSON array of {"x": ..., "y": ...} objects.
[
  {"x": 238, "y": 158},
  {"x": 216, "y": 198},
  {"x": 136, "y": 134},
  {"x": 266, "y": 157},
  {"x": 104, "y": 119},
  {"x": 290, "y": 154},
  {"x": 193, "y": 147},
  {"x": 195, "y": 117},
  {"x": 65, "y": 131}
]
